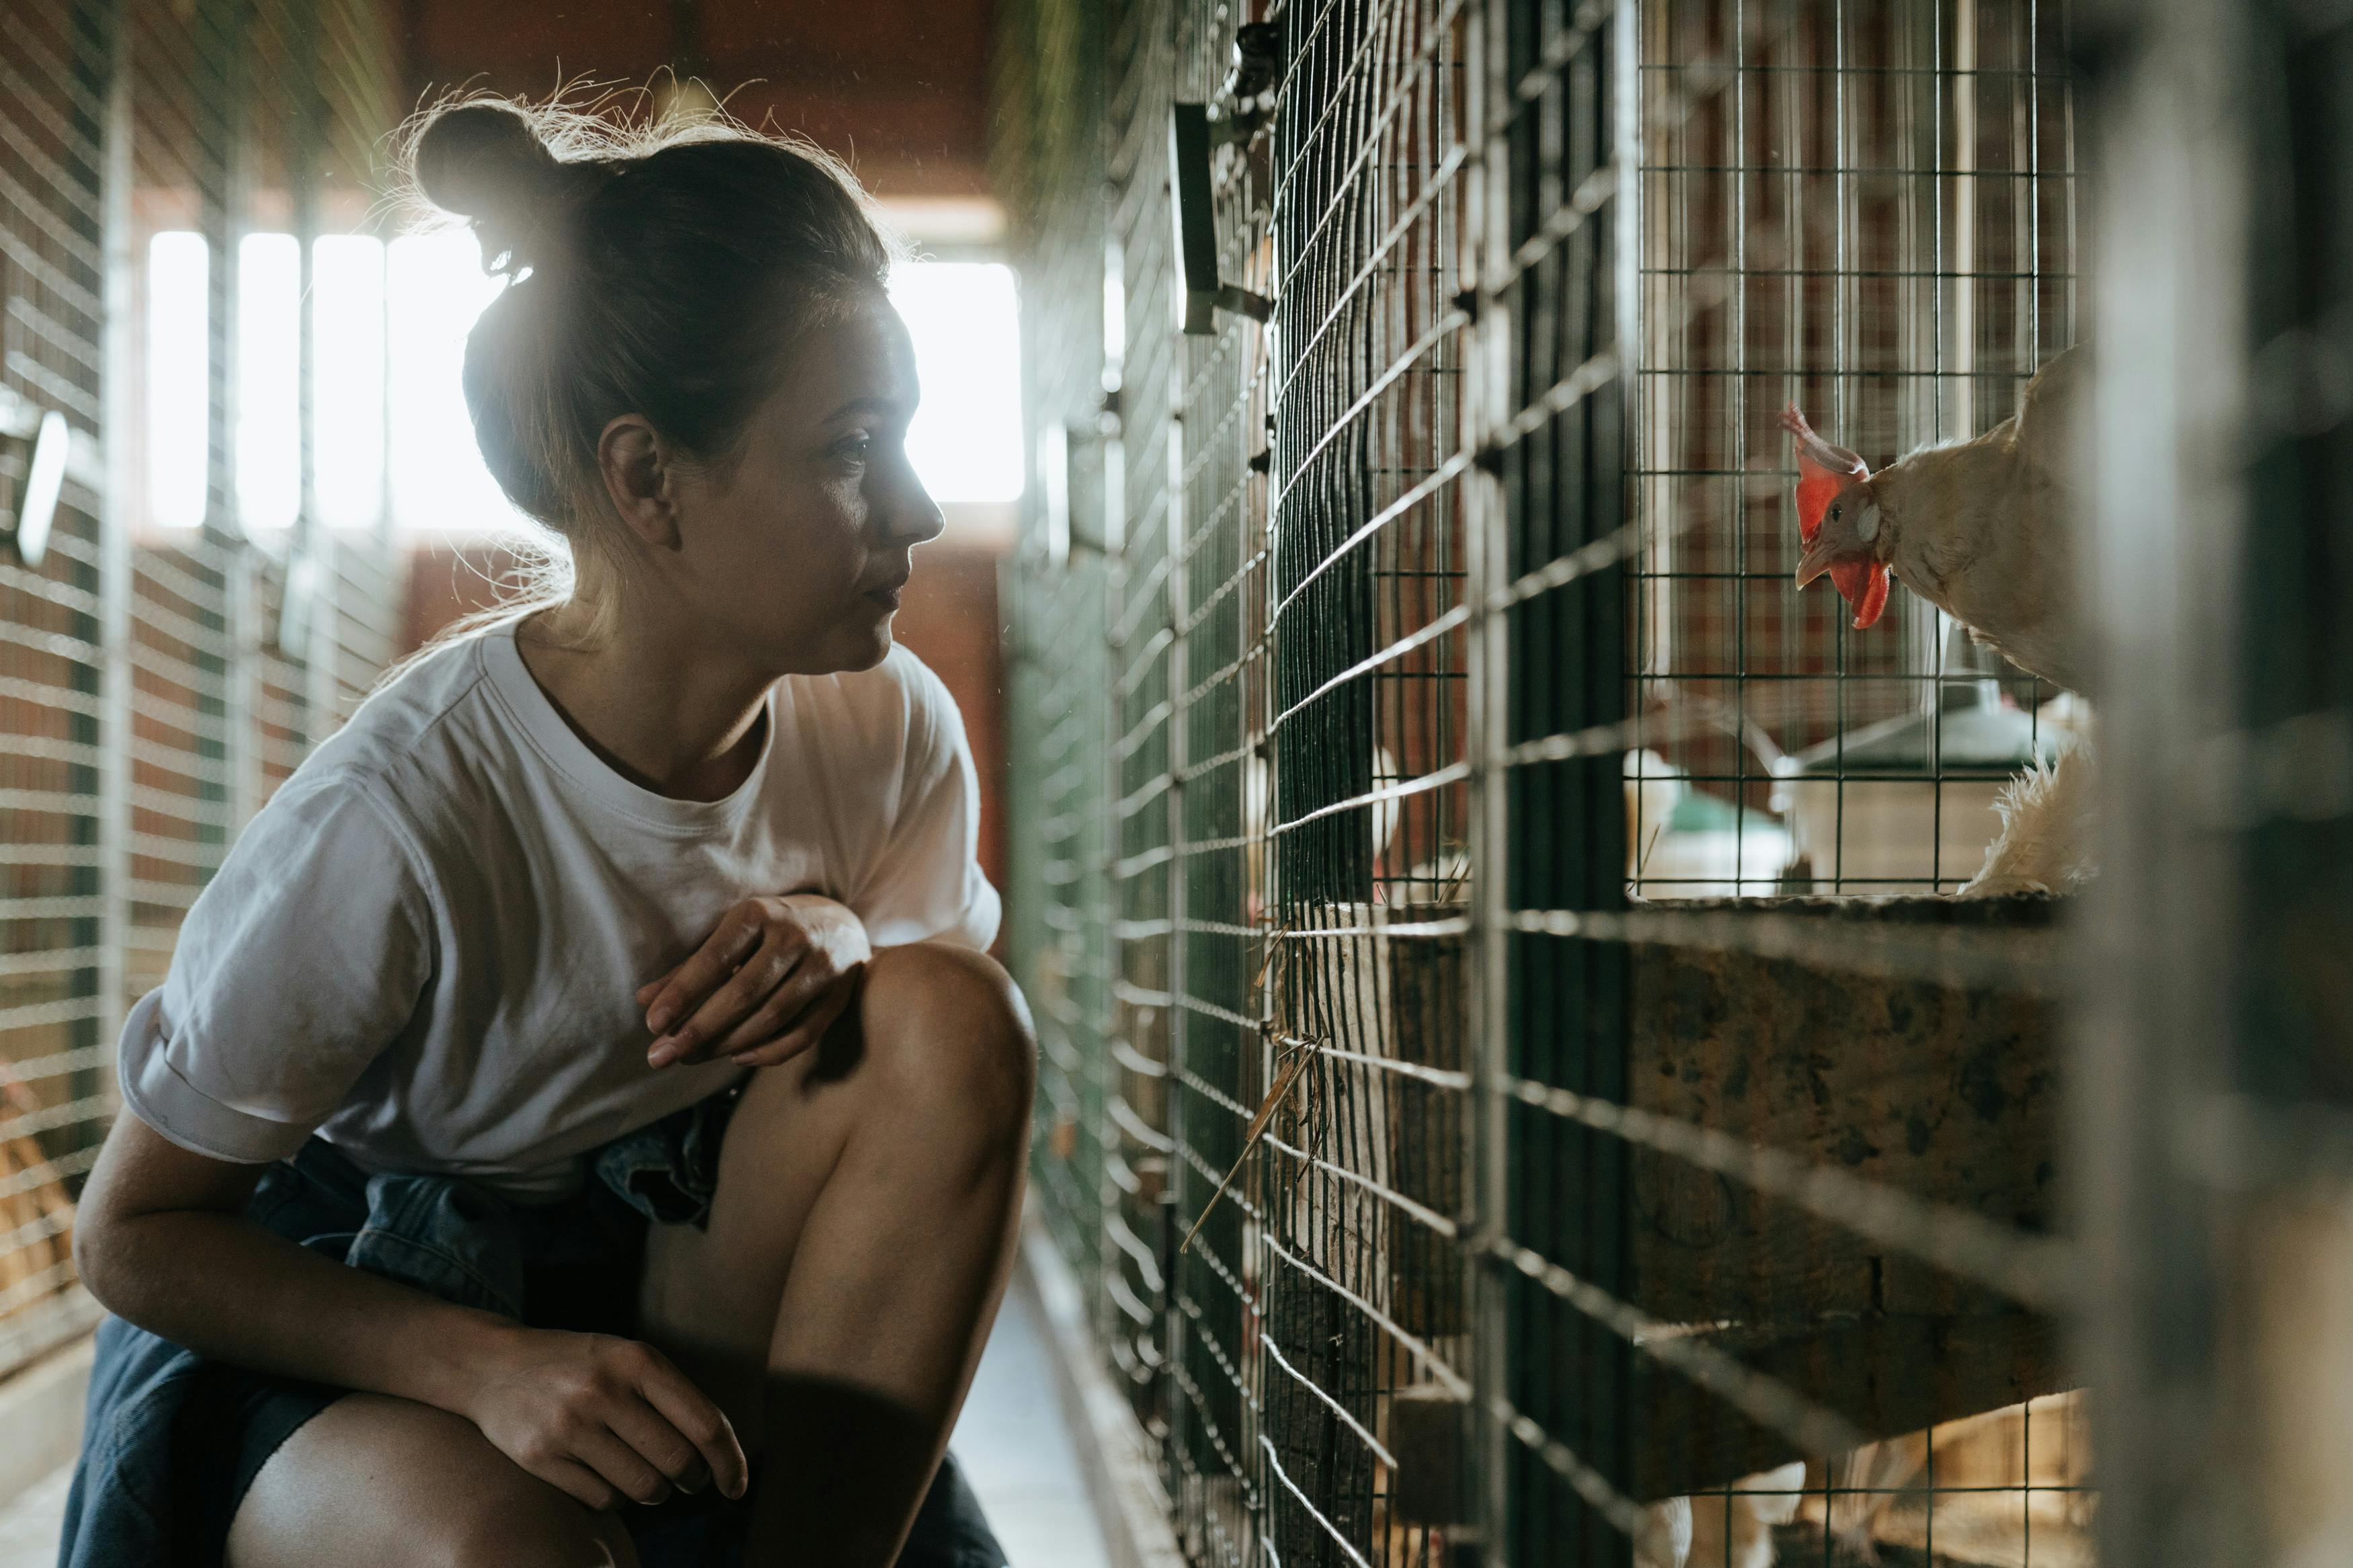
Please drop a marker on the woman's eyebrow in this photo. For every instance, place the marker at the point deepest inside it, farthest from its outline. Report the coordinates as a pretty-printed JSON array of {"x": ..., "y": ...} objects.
[{"x": 864, "y": 406}]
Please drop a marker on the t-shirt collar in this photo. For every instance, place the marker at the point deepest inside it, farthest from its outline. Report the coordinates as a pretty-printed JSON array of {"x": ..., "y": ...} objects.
[{"x": 518, "y": 692}]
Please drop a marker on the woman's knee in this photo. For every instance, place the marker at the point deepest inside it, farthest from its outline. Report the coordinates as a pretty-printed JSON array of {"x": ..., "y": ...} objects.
[
  {"x": 378, "y": 1479},
  {"x": 946, "y": 1021},
  {"x": 496, "y": 1527}
]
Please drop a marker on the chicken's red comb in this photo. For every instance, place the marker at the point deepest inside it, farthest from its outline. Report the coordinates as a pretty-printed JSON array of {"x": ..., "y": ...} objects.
[{"x": 1823, "y": 470}]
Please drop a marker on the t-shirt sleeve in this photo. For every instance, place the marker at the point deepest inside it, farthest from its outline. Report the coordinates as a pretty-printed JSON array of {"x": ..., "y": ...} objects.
[
  {"x": 927, "y": 883},
  {"x": 305, "y": 958}
]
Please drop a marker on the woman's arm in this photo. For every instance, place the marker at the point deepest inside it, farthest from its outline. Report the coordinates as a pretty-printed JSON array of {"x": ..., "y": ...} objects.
[{"x": 162, "y": 1240}]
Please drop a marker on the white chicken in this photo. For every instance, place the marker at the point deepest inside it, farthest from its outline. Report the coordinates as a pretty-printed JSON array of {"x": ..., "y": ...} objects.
[
  {"x": 1977, "y": 528},
  {"x": 1980, "y": 529},
  {"x": 1729, "y": 1529},
  {"x": 2047, "y": 829}
]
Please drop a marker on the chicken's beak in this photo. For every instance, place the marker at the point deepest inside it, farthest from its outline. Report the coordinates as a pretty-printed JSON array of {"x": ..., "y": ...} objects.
[
  {"x": 1843, "y": 549},
  {"x": 1820, "y": 556}
]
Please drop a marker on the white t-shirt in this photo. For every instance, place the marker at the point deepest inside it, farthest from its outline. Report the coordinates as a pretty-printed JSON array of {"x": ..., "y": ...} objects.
[{"x": 426, "y": 947}]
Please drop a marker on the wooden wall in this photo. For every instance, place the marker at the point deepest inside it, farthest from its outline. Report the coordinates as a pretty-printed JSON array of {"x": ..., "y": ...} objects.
[{"x": 899, "y": 88}]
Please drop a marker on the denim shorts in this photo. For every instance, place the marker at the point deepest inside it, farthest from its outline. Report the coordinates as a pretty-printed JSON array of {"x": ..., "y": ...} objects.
[{"x": 173, "y": 1440}]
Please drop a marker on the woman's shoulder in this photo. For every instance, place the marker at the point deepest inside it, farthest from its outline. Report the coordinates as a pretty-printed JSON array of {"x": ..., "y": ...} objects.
[
  {"x": 417, "y": 698},
  {"x": 416, "y": 737}
]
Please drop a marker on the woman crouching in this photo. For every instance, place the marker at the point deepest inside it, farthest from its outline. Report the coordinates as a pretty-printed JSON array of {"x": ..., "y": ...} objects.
[{"x": 580, "y": 1125}]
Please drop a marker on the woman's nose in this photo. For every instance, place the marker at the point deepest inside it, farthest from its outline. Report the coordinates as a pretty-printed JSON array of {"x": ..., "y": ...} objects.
[{"x": 912, "y": 517}]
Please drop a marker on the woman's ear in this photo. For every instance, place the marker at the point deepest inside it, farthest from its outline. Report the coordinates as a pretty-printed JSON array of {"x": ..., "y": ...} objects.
[{"x": 639, "y": 478}]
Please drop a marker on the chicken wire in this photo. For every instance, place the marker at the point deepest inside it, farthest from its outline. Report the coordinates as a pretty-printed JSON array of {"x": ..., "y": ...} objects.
[
  {"x": 2216, "y": 1029},
  {"x": 157, "y": 689},
  {"x": 1367, "y": 640},
  {"x": 1274, "y": 572},
  {"x": 1868, "y": 210},
  {"x": 1050, "y": 141}
]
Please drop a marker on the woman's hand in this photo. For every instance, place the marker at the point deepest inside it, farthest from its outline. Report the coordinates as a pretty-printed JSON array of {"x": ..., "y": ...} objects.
[
  {"x": 163, "y": 1241},
  {"x": 603, "y": 1418},
  {"x": 764, "y": 988}
]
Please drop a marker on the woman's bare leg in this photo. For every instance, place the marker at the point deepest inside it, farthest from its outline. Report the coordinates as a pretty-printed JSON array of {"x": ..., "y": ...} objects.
[
  {"x": 868, "y": 1195},
  {"x": 376, "y": 1483}
]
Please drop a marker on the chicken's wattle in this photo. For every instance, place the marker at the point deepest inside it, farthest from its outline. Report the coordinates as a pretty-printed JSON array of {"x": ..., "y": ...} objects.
[{"x": 1863, "y": 584}]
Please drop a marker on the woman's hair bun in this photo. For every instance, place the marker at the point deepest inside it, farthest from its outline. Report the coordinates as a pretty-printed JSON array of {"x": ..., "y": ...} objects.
[
  {"x": 483, "y": 161},
  {"x": 486, "y": 161}
]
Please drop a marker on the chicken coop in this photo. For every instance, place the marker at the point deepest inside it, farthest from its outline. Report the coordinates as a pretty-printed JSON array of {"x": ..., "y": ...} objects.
[
  {"x": 1548, "y": 1056},
  {"x": 1527, "y": 1076}
]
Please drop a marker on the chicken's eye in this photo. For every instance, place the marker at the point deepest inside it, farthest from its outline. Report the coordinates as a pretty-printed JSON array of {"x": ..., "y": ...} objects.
[{"x": 1837, "y": 508}]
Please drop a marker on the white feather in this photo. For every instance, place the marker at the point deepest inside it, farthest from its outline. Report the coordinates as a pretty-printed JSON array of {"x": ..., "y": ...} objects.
[
  {"x": 1666, "y": 1534},
  {"x": 2047, "y": 839},
  {"x": 1731, "y": 1529}
]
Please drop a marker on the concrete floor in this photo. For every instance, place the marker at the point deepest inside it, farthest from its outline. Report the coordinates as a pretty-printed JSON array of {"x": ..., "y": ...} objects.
[
  {"x": 1012, "y": 1440},
  {"x": 28, "y": 1527},
  {"x": 1018, "y": 1450}
]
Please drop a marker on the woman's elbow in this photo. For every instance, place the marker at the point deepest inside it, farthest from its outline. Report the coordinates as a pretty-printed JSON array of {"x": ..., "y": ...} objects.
[
  {"x": 141, "y": 1177},
  {"x": 96, "y": 1249}
]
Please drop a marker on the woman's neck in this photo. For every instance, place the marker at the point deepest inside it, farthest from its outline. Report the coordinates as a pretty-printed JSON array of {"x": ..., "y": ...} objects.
[{"x": 675, "y": 719}]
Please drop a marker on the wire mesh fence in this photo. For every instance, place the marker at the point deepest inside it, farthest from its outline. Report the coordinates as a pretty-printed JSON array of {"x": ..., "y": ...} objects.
[
  {"x": 1865, "y": 211},
  {"x": 1477, "y": 1143},
  {"x": 159, "y": 674},
  {"x": 2211, "y": 1079}
]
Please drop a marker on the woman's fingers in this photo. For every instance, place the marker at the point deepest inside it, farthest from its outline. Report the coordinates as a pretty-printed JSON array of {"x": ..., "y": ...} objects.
[
  {"x": 605, "y": 1418},
  {"x": 755, "y": 982},
  {"x": 580, "y": 1483},
  {"x": 695, "y": 1417},
  {"x": 630, "y": 1472},
  {"x": 787, "y": 1007},
  {"x": 739, "y": 933},
  {"x": 805, "y": 1032},
  {"x": 663, "y": 1446},
  {"x": 729, "y": 1006}
]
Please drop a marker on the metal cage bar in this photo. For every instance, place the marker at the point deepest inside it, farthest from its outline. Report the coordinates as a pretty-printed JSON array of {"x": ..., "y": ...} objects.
[
  {"x": 2213, "y": 1111},
  {"x": 1449, "y": 701},
  {"x": 147, "y": 703}
]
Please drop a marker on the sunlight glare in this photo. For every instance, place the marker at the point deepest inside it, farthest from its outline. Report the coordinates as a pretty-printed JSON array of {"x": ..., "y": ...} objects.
[
  {"x": 179, "y": 394},
  {"x": 436, "y": 286},
  {"x": 269, "y": 381},
  {"x": 965, "y": 441},
  {"x": 348, "y": 325}
]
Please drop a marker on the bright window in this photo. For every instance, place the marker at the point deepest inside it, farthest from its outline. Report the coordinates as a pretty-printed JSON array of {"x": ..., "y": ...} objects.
[
  {"x": 965, "y": 441},
  {"x": 435, "y": 288},
  {"x": 179, "y": 392},
  {"x": 965, "y": 320},
  {"x": 268, "y": 381},
  {"x": 347, "y": 330},
  {"x": 390, "y": 321}
]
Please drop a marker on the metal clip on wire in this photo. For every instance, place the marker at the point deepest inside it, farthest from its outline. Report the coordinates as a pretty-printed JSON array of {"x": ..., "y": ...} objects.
[
  {"x": 1199, "y": 295},
  {"x": 1245, "y": 101}
]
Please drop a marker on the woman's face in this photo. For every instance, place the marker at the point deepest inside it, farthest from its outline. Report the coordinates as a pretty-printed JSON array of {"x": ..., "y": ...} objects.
[{"x": 795, "y": 552}]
